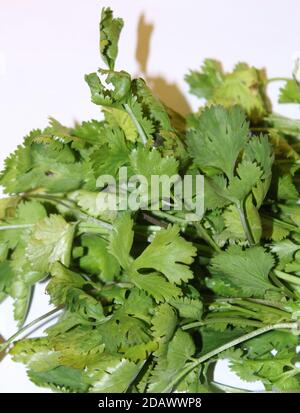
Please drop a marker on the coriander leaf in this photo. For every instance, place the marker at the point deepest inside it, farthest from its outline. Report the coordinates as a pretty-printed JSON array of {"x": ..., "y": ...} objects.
[
  {"x": 36, "y": 353},
  {"x": 156, "y": 286},
  {"x": 60, "y": 378},
  {"x": 62, "y": 280},
  {"x": 259, "y": 150},
  {"x": 50, "y": 241},
  {"x": 98, "y": 260},
  {"x": 248, "y": 174},
  {"x": 105, "y": 96},
  {"x": 152, "y": 104},
  {"x": 91, "y": 132},
  {"x": 164, "y": 323},
  {"x": 168, "y": 253},
  {"x": 188, "y": 307},
  {"x": 203, "y": 84},
  {"x": 218, "y": 128},
  {"x": 110, "y": 29},
  {"x": 112, "y": 375},
  {"x": 290, "y": 92},
  {"x": 246, "y": 270},
  {"x": 121, "y": 240},
  {"x": 120, "y": 118},
  {"x": 150, "y": 162},
  {"x": 109, "y": 158}
]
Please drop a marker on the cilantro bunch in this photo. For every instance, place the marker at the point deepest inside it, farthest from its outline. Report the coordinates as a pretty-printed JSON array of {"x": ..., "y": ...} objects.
[{"x": 147, "y": 301}]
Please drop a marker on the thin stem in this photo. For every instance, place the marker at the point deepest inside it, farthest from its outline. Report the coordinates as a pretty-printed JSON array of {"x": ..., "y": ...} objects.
[
  {"x": 278, "y": 79},
  {"x": 153, "y": 220},
  {"x": 77, "y": 212},
  {"x": 281, "y": 223},
  {"x": 260, "y": 129},
  {"x": 244, "y": 222},
  {"x": 240, "y": 300},
  {"x": 287, "y": 277},
  {"x": 224, "y": 347},
  {"x": 3, "y": 346},
  {"x": 281, "y": 286},
  {"x": 229, "y": 320},
  {"x": 229, "y": 389},
  {"x": 260, "y": 308},
  {"x": 170, "y": 217},
  {"x": 136, "y": 123},
  {"x": 17, "y": 226},
  {"x": 202, "y": 232}
]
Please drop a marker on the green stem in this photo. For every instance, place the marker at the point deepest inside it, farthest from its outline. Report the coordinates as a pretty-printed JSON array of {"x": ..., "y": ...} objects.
[
  {"x": 229, "y": 320},
  {"x": 287, "y": 277},
  {"x": 170, "y": 217},
  {"x": 18, "y": 226},
  {"x": 262, "y": 307},
  {"x": 240, "y": 300},
  {"x": 3, "y": 346},
  {"x": 92, "y": 228},
  {"x": 278, "y": 79},
  {"x": 244, "y": 222},
  {"x": 202, "y": 233},
  {"x": 136, "y": 123},
  {"x": 224, "y": 347},
  {"x": 260, "y": 129},
  {"x": 229, "y": 389},
  {"x": 281, "y": 286},
  {"x": 70, "y": 205},
  {"x": 235, "y": 309},
  {"x": 281, "y": 223}
]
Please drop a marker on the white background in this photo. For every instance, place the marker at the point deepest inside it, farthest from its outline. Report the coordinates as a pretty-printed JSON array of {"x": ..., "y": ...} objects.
[{"x": 46, "y": 46}]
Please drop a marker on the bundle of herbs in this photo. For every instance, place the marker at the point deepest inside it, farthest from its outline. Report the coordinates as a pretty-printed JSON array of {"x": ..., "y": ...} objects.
[{"x": 148, "y": 300}]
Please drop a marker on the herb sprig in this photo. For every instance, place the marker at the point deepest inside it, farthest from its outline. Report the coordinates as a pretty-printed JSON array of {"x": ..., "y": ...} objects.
[{"x": 149, "y": 301}]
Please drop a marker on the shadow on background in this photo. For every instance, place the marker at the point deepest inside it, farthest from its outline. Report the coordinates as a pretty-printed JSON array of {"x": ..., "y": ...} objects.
[{"x": 169, "y": 93}]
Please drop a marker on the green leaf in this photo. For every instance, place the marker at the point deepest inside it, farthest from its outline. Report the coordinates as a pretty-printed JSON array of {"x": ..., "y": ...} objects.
[
  {"x": 110, "y": 29},
  {"x": 153, "y": 105},
  {"x": 244, "y": 86},
  {"x": 27, "y": 213},
  {"x": 259, "y": 150},
  {"x": 290, "y": 92},
  {"x": 61, "y": 378},
  {"x": 188, "y": 307},
  {"x": 97, "y": 259},
  {"x": 218, "y": 128},
  {"x": 234, "y": 228},
  {"x": 50, "y": 241},
  {"x": 109, "y": 158},
  {"x": 170, "y": 254},
  {"x": 203, "y": 84},
  {"x": 164, "y": 323},
  {"x": 156, "y": 286},
  {"x": 121, "y": 240},
  {"x": 246, "y": 270},
  {"x": 113, "y": 375},
  {"x": 36, "y": 353},
  {"x": 6, "y": 276},
  {"x": 286, "y": 188},
  {"x": 62, "y": 280},
  {"x": 119, "y": 117},
  {"x": 247, "y": 176},
  {"x": 150, "y": 162},
  {"x": 103, "y": 94},
  {"x": 91, "y": 132},
  {"x": 179, "y": 351},
  {"x": 78, "y": 347}
]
